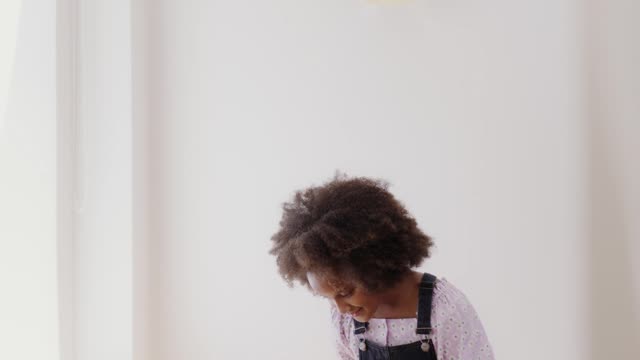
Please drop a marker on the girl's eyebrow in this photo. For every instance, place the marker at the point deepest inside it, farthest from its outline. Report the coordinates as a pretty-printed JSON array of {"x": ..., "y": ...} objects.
[{"x": 318, "y": 294}]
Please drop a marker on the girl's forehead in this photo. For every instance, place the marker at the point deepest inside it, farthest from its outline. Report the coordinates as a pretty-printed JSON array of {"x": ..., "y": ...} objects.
[{"x": 338, "y": 283}]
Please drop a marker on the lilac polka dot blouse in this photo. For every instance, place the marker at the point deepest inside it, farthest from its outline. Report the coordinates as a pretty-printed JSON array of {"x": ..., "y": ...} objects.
[{"x": 458, "y": 333}]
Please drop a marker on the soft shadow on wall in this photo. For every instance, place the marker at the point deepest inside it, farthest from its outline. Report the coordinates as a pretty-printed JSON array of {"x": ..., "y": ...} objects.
[{"x": 613, "y": 112}]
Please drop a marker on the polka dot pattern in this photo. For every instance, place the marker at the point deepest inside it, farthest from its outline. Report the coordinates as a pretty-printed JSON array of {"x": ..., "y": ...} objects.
[{"x": 457, "y": 334}]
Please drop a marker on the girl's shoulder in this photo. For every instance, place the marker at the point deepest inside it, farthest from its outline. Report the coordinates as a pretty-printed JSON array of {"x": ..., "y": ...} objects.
[
  {"x": 447, "y": 293},
  {"x": 446, "y": 298}
]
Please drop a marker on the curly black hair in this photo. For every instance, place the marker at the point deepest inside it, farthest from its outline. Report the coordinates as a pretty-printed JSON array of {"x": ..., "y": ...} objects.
[{"x": 351, "y": 229}]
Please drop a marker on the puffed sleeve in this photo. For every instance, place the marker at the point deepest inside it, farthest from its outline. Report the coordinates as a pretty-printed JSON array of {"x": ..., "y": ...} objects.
[
  {"x": 459, "y": 334},
  {"x": 340, "y": 325}
]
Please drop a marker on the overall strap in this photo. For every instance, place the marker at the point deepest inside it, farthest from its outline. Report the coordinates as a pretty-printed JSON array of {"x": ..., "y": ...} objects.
[
  {"x": 360, "y": 327},
  {"x": 425, "y": 296}
]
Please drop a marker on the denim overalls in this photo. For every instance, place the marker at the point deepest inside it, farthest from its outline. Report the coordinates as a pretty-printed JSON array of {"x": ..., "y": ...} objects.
[{"x": 419, "y": 350}]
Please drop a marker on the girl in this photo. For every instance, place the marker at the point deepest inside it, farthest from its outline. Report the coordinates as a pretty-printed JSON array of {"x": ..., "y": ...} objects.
[{"x": 352, "y": 242}]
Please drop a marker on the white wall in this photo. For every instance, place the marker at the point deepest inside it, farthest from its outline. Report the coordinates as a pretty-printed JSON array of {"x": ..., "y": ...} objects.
[
  {"x": 28, "y": 253},
  {"x": 99, "y": 241},
  {"x": 9, "y": 20},
  {"x": 471, "y": 109},
  {"x": 508, "y": 129}
]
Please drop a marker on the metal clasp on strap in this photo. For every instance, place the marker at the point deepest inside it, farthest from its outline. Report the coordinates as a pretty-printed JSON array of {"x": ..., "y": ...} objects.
[
  {"x": 423, "y": 330},
  {"x": 360, "y": 330}
]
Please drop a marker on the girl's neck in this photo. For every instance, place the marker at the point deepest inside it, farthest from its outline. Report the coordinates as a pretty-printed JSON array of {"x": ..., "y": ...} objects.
[{"x": 401, "y": 301}]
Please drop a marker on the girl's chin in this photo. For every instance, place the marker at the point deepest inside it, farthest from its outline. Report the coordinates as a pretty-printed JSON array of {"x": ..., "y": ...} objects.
[{"x": 360, "y": 315}]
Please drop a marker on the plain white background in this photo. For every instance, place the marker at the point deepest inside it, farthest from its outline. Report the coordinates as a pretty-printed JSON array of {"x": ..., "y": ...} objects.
[
  {"x": 28, "y": 260},
  {"x": 481, "y": 114},
  {"x": 508, "y": 129}
]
